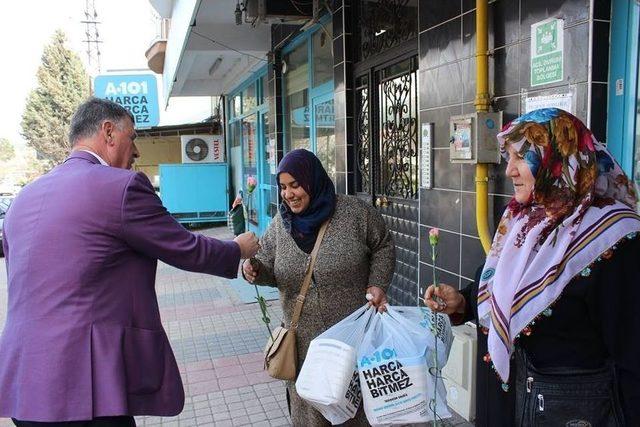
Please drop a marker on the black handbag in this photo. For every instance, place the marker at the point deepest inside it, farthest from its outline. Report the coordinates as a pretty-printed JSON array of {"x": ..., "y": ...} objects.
[
  {"x": 236, "y": 220},
  {"x": 569, "y": 397}
]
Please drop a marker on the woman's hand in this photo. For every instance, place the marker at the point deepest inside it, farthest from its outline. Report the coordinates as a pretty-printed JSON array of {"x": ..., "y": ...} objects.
[
  {"x": 448, "y": 300},
  {"x": 377, "y": 299},
  {"x": 250, "y": 270}
]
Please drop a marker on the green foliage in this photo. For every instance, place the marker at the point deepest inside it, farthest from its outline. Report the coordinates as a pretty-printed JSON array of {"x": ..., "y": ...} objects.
[
  {"x": 63, "y": 84},
  {"x": 7, "y": 151}
]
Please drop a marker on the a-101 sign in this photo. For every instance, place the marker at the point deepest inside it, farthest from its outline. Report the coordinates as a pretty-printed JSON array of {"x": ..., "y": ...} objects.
[{"x": 137, "y": 93}]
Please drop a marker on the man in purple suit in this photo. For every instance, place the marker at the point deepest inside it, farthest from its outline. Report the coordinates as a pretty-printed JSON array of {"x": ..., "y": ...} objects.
[{"x": 83, "y": 343}]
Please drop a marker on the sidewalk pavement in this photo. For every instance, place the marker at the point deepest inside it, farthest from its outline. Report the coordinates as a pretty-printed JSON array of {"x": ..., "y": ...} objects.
[{"x": 217, "y": 338}]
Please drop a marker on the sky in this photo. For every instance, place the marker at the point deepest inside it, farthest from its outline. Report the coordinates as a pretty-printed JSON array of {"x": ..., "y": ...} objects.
[{"x": 127, "y": 29}]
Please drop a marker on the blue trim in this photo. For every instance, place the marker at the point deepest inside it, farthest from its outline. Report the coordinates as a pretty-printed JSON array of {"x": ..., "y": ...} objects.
[
  {"x": 262, "y": 175},
  {"x": 621, "y": 122}
]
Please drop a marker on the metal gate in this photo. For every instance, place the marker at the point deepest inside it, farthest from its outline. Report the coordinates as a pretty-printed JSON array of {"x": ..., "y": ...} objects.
[{"x": 387, "y": 161}]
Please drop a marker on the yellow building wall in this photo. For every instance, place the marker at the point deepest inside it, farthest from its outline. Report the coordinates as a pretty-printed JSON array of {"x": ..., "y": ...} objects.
[{"x": 157, "y": 150}]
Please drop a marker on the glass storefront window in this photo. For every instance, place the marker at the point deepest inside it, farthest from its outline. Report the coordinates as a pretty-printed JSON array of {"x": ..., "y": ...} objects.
[
  {"x": 265, "y": 89},
  {"x": 322, "y": 45},
  {"x": 236, "y": 106},
  {"x": 325, "y": 137},
  {"x": 308, "y": 99},
  {"x": 296, "y": 84},
  {"x": 235, "y": 132},
  {"x": 249, "y": 98},
  {"x": 249, "y": 138},
  {"x": 249, "y": 160}
]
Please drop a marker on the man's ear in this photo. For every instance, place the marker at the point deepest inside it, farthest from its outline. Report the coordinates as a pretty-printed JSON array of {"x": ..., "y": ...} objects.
[{"x": 106, "y": 130}]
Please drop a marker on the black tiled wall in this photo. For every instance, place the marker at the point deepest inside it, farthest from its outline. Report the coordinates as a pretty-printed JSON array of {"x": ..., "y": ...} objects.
[
  {"x": 447, "y": 87},
  {"x": 343, "y": 94}
]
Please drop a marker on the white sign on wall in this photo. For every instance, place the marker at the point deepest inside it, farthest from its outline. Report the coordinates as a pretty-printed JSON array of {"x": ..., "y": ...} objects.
[
  {"x": 426, "y": 137},
  {"x": 563, "y": 101}
]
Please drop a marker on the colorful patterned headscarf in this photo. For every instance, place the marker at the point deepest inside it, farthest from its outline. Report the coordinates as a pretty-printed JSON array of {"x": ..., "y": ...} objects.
[
  {"x": 582, "y": 205},
  {"x": 307, "y": 169}
]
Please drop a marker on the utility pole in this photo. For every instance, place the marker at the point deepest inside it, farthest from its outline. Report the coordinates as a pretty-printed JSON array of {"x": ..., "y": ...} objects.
[{"x": 92, "y": 37}]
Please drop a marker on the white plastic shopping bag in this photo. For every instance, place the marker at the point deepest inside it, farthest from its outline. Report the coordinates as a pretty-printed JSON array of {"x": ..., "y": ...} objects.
[
  {"x": 425, "y": 318},
  {"x": 328, "y": 379},
  {"x": 395, "y": 376}
]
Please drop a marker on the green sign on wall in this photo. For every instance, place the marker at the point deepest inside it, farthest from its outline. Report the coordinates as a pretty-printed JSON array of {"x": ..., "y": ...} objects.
[{"x": 547, "y": 53}]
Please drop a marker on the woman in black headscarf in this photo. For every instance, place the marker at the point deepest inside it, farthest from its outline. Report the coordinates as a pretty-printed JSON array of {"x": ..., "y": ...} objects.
[{"x": 356, "y": 257}]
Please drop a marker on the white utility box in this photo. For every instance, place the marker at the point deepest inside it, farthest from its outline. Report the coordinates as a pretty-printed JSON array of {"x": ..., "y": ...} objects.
[{"x": 459, "y": 373}]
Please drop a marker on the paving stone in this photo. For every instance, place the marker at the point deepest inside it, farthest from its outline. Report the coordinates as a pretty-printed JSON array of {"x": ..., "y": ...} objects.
[
  {"x": 219, "y": 416},
  {"x": 233, "y": 398},
  {"x": 202, "y": 412},
  {"x": 232, "y": 382},
  {"x": 254, "y": 410},
  {"x": 240, "y": 421},
  {"x": 235, "y": 406},
  {"x": 258, "y": 417},
  {"x": 204, "y": 421},
  {"x": 275, "y": 413},
  {"x": 217, "y": 408},
  {"x": 279, "y": 422}
]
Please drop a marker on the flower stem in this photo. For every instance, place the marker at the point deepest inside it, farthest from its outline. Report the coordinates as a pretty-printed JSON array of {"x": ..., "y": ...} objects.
[{"x": 435, "y": 336}]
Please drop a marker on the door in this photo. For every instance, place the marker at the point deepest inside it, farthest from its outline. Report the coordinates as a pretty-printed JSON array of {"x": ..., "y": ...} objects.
[
  {"x": 387, "y": 162},
  {"x": 258, "y": 161}
]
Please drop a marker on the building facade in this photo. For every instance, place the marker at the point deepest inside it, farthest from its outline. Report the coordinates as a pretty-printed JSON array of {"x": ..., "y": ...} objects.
[{"x": 371, "y": 85}]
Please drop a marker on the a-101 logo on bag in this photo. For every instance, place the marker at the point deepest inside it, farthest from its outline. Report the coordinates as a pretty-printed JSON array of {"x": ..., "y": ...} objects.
[
  {"x": 378, "y": 356},
  {"x": 385, "y": 378}
]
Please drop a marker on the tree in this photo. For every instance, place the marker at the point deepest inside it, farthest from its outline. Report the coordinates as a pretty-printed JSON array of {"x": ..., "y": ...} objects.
[
  {"x": 63, "y": 84},
  {"x": 31, "y": 168},
  {"x": 7, "y": 152}
]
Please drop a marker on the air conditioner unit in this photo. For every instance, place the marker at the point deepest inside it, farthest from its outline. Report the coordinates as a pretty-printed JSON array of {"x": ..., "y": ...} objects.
[
  {"x": 459, "y": 374},
  {"x": 202, "y": 149}
]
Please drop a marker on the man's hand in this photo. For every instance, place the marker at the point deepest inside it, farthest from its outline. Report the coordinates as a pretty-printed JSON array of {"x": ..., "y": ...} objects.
[
  {"x": 377, "y": 297},
  {"x": 448, "y": 300},
  {"x": 250, "y": 270},
  {"x": 248, "y": 243}
]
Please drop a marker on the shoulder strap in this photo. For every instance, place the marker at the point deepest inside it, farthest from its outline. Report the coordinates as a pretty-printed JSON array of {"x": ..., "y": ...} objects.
[{"x": 307, "y": 277}]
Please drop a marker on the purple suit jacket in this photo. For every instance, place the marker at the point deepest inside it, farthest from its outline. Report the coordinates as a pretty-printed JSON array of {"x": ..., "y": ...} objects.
[{"x": 83, "y": 336}]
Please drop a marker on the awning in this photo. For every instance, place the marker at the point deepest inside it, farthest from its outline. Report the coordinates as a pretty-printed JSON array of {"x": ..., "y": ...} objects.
[{"x": 207, "y": 54}]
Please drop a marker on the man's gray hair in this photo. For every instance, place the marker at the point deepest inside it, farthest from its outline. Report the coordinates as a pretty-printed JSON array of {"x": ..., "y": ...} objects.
[{"x": 89, "y": 116}]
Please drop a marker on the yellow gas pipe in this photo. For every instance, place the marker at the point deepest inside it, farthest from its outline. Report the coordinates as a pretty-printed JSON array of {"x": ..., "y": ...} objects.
[{"x": 482, "y": 105}]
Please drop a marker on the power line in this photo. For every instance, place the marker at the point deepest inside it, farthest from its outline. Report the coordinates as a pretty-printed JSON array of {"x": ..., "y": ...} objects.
[{"x": 227, "y": 47}]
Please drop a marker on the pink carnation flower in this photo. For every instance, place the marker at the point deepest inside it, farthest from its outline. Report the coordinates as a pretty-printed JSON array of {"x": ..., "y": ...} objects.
[{"x": 434, "y": 234}]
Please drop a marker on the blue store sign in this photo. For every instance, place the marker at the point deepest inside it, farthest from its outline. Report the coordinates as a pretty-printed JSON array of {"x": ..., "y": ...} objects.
[{"x": 138, "y": 93}]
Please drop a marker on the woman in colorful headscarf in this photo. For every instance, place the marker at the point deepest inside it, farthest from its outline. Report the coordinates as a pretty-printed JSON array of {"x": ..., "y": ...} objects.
[
  {"x": 356, "y": 258},
  {"x": 557, "y": 298}
]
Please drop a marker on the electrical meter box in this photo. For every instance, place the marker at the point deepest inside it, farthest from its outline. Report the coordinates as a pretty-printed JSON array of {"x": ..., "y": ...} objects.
[{"x": 473, "y": 137}]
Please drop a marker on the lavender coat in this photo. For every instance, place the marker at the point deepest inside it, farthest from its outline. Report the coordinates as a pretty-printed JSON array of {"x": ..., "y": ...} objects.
[{"x": 83, "y": 336}]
